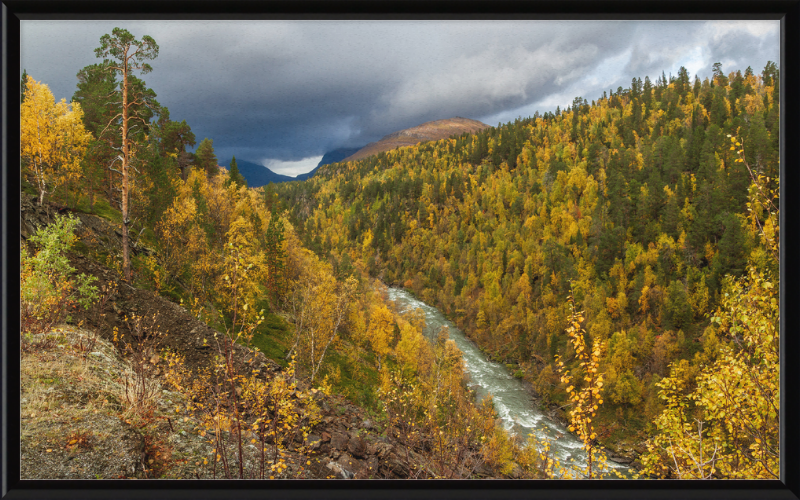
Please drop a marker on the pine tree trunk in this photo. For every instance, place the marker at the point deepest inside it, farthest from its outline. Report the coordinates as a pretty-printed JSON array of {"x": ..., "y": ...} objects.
[{"x": 126, "y": 261}]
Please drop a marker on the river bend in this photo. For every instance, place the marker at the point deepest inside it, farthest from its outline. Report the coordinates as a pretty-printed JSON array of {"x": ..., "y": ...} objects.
[{"x": 519, "y": 412}]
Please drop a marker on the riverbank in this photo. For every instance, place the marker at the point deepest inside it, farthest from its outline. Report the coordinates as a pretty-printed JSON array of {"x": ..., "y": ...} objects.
[
  {"x": 555, "y": 414},
  {"x": 517, "y": 403},
  {"x": 519, "y": 408}
]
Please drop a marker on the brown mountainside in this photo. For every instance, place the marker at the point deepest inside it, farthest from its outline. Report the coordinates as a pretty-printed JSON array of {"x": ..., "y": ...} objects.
[{"x": 429, "y": 131}]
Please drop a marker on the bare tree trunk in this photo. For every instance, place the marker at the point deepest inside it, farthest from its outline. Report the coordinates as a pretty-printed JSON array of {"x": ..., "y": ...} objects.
[
  {"x": 110, "y": 188},
  {"x": 41, "y": 193},
  {"x": 126, "y": 260},
  {"x": 183, "y": 163}
]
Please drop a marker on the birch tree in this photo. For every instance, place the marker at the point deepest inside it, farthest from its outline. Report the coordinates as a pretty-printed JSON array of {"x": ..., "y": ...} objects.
[{"x": 52, "y": 138}]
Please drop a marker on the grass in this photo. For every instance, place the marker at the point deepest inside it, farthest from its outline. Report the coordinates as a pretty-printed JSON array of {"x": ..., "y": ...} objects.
[
  {"x": 355, "y": 379},
  {"x": 273, "y": 338},
  {"x": 74, "y": 406},
  {"x": 40, "y": 370}
]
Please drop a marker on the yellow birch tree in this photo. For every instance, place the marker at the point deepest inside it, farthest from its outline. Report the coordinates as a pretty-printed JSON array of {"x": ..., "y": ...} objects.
[{"x": 52, "y": 138}]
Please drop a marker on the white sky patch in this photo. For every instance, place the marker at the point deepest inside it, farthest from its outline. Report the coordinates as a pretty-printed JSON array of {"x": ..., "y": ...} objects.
[
  {"x": 695, "y": 62},
  {"x": 755, "y": 28},
  {"x": 292, "y": 168},
  {"x": 609, "y": 72}
]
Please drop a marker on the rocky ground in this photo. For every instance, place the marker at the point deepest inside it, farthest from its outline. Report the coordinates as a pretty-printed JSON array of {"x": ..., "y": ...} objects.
[{"x": 77, "y": 422}]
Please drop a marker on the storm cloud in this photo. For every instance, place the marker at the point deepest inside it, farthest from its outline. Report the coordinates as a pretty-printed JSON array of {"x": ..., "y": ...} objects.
[{"x": 280, "y": 92}]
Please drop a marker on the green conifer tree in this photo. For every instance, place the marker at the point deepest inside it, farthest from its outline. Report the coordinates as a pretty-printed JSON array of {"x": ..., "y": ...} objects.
[
  {"x": 205, "y": 157},
  {"x": 236, "y": 176},
  {"x": 23, "y": 86}
]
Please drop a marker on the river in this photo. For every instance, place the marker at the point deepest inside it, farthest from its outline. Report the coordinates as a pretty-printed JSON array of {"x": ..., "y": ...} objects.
[{"x": 519, "y": 412}]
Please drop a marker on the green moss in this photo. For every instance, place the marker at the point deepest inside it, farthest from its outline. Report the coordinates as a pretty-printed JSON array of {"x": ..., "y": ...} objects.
[
  {"x": 83, "y": 204},
  {"x": 28, "y": 188},
  {"x": 274, "y": 338},
  {"x": 80, "y": 247},
  {"x": 360, "y": 388},
  {"x": 172, "y": 294},
  {"x": 50, "y": 380},
  {"x": 106, "y": 211},
  {"x": 148, "y": 237}
]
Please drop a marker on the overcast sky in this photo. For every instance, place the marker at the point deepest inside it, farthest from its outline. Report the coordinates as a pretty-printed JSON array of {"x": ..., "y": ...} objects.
[{"x": 282, "y": 93}]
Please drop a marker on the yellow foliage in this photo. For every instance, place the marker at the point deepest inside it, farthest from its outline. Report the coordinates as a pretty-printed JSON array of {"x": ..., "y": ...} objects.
[
  {"x": 380, "y": 331},
  {"x": 318, "y": 306},
  {"x": 585, "y": 400},
  {"x": 52, "y": 138}
]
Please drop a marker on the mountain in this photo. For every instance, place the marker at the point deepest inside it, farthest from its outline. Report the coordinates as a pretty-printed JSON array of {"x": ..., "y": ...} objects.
[
  {"x": 257, "y": 175},
  {"x": 334, "y": 156},
  {"x": 429, "y": 131}
]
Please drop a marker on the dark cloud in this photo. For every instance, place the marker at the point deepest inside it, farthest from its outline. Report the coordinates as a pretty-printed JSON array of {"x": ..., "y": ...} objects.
[{"x": 293, "y": 90}]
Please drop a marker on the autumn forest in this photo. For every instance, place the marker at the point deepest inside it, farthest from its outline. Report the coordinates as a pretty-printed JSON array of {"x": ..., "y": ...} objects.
[{"x": 619, "y": 256}]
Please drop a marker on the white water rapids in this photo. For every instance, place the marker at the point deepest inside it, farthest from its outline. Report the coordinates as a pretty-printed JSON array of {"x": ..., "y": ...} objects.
[{"x": 519, "y": 413}]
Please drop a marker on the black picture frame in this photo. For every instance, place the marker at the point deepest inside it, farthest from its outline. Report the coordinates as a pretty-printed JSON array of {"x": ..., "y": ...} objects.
[{"x": 13, "y": 11}]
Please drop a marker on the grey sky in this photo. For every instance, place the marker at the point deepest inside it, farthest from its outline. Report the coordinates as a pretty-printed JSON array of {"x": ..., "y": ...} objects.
[{"x": 285, "y": 92}]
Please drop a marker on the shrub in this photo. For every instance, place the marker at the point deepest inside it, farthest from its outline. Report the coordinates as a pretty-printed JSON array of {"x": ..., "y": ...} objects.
[
  {"x": 141, "y": 386},
  {"x": 47, "y": 285}
]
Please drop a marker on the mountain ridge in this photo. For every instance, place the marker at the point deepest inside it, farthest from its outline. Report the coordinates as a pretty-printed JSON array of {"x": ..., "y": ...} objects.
[
  {"x": 428, "y": 131},
  {"x": 334, "y": 156},
  {"x": 258, "y": 175}
]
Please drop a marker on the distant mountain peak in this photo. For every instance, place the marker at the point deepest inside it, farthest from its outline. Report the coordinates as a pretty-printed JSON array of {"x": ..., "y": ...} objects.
[
  {"x": 257, "y": 174},
  {"x": 428, "y": 131}
]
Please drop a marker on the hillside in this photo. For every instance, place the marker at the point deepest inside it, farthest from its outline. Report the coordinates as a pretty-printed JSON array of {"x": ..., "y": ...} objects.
[
  {"x": 103, "y": 398},
  {"x": 429, "y": 131},
  {"x": 637, "y": 206},
  {"x": 334, "y": 156}
]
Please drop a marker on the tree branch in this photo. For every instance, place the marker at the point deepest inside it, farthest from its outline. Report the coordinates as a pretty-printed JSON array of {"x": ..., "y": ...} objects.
[{"x": 109, "y": 123}]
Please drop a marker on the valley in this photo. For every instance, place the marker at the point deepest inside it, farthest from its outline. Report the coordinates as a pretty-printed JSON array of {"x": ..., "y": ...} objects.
[{"x": 584, "y": 293}]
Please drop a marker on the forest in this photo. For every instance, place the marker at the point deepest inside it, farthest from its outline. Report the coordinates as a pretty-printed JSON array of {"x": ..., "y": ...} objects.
[
  {"x": 649, "y": 205},
  {"x": 622, "y": 253}
]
